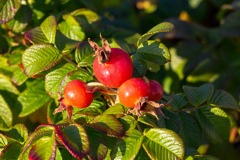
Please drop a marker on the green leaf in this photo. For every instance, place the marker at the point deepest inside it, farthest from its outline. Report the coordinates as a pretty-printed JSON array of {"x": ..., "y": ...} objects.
[
  {"x": 179, "y": 100},
  {"x": 98, "y": 144},
  {"x": 75, "y": 139},
  {"x": 154, "y": 52},
  {"x": 198, "y": 95},
  {"x": 190, "y": 132},
  {"x": 107, "y": 124},
  {"x": 44, "y": 148},
  {"x": 53, "y": 79},
  {"x": 6, "y": 117},
  {"x": 152, "y": 67},
  {"x": 4, "y": 45},
  {"x": 21, "y": 19},
  {"x": 84, "y": 54},
  {"x": 128, "y": 122},
  {"x": 6, "y": 85},
  {"x": 49, "y": 28},
  {"x": 53, "y": 119},
  {"x": 139, "y": 68},
  {"x": 36, "y": 36},
  {"x": 33, "y": 98},
  {"x": 215, "y": 123},
  {"x": 3, "y": 141},
  {"x": 39, "y": 57},
  {"x": 89, "y": 111},
  {"x": 8, "y": 9},
  {"x": 11, "y": 151},
  {"x": 127, "y": 147},
  {"x": 162, "y": 144},
  {"x": 162, "y": 27},
  {"x": 19, "y": 77},
  {"x": 142, "y": 155},
  {"x": 77, "y": 74},
  {"x": 223, "y": 99},
  {"x": 116, "y": 110},
  {"x": 148, "y": 120},
  {"x": 15, "y": 58},
  {"x": 17, "y": 133},
  {"x": 204, "y": 157}
]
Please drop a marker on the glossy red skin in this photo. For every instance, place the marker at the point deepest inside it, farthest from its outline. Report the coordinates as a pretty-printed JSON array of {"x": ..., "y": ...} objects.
[
  {"x": 131, "y": 90},
  {"x": 113, "y": 73},
  {"x": 76, "y": 95},
  {"x": 156, "y": 91}
]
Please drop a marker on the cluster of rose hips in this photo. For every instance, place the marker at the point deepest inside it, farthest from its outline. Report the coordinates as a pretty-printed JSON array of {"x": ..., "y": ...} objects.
[{"x": 113, "y": 68}]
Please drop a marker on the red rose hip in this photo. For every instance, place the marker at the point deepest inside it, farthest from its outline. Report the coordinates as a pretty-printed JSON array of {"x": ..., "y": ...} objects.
[
  {"x": 156, "y": 91},
  {"x": 132, "y": 90},
  {"x": 75, "y": 94}
]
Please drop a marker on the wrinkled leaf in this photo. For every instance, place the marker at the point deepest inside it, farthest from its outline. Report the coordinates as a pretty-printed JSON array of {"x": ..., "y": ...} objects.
[
  {"x": 11, "y": 151},
  {"x": 116, "y": 110},
  {"x": 84, "y": 54},
  {"x": 49, "y": 28},
  {"x": 8, "y": 9}
]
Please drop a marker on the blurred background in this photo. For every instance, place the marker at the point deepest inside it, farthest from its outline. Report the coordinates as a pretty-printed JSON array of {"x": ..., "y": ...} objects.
[{"x": 205, "y": 47}]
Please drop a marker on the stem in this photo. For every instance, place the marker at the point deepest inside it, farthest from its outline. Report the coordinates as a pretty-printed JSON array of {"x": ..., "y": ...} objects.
[{"x": 138, "y": 126}]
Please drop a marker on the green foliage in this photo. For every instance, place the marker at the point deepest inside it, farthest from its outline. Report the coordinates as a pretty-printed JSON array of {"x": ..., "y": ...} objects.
[{"x": 194, "y": 55}]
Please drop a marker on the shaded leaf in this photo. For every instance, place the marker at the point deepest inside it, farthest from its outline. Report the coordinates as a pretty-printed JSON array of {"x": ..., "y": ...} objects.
[
  {"x": 162, "y": 27},
  {"x": 11, "y": 151},
  {"x": 163, "y": 144},
  {"x": 127, "y": 147},
  {"x": 75, "y": 139},
  {"x": 128, "y": 122},
  {"x": 8, "y": 10},
  {"x": 84, "y": 54},
  {"x": 53, "y": 119},
  {"x": 36, "y": 36},
  {"x": 6, "y": 117},
  {"x": 215, "y": 123},
  {"x": 139, "y": 68},
  {"x": 153, "y": 52},
  {"x": 198, "y": 95},
  {"x": 4, "y": 46},
  {"x": 178, "y": 101},
  {"x": 107, "y": 124},
  {"x": 223, "y": 99},
  {"x": 6, "y": 85},
  {"x": 39, "y": 57},
  {"x": 116, "y": 110},
  {"x": 3, "y": 141},
  {"x": 148, "y": 120},
  {"x": 204, "y": 157}
]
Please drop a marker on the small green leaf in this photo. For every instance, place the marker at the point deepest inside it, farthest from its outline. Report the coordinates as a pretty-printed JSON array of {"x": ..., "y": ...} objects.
[
  {"x": 198, "y": 95},
  {"x": 3, "y": 141},
  {"x": 139, "y": 68},
  {"x": 53, "y": 79},
  {"x": 33, "y": 98},
  {"x": 15, "y": 58},
  {"x": 89, "y": 111},
  {"x": 44, "y": 148},
  {"x": 6, "y": 117},
  {"x": 36, "y": 36},
  {"x": 21, "y": 19},
  {"x": 107, "y": 124},
  {"x": 215, "y": 123},
  {"x": 179, "y": 100},
  {"x": 84, "y": 54},
  {"x": 190, "y": 132},
  {"x": 154, "y": 52},
  {"x": 152, "y": 67},
  {"x": 162, "y": 144},
  {"x": 116, "y": 110},
  {"x": 19, "y": 77},
  {"x": 75, "y": 139},
  {"x": 17, "y": 133},
  {"x": 148, "y": 120},
  {"x": 11, "y": 151},
  {"x": 162, "y": 27},
  {"x": 128, "y": 122},
  {"x": 6, "y": 85},
  {"x": 127, "y": 147},
  {"x": 8, "y": 9},
  {"x": 223, "y": 99},
  {"x": 39, "y": 57},
  {"x": 49, "y": 28},
  {"x": 53, "y": 119}
]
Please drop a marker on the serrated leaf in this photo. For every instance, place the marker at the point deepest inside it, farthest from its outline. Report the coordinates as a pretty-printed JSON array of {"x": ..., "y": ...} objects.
[
  {"x": 215, "y": 123},
  {"x": 19, "y": 77},
  {"x": 127, "y": 147},
  {"x": 33, "y": 98},
  {"x": 154, "y": 52},
  {"x": 5, "y": 114},
  {"x": 178, "y": 101},
  {"x": 21, "y": 19},
  {"x": 162, "y": 27},
  {"x": 75, "y": 139},
  {"x": 139, "y": 68},
  {"x": 53, "y": 79},
  {"x": 49, "y": 28},
  {"x": 162, "y": 144},
  {"x": 98, "y": 145},
  {"x": 190, "y": 132},
  {"x": 8, "y": 9},
  {"x": 116, "y": 110},
  {"x": 44, "y": 148},
  {"x": 107, "y": 124},
  {"x": 223, "y": 99},
  {"x": 39, "y": 57},
  {"x": 128, "y": 122},
  {"x": 11, "y": 151},
  {"x": 84, "y": 54},
  {"x": 17, "y": 133},
  {"x": 36, "y": 36},
  {"x": 77, "y": 74},
  {"x": 198, "y": 95}
]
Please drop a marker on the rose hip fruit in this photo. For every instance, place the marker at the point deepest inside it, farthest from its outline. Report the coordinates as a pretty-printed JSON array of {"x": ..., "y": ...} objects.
[
  {"x": 156, "y": 91},
  {"x": 75, "y": 94},
  {"x": 116, "y": 71},
  {"x": 132, "y": 90}
]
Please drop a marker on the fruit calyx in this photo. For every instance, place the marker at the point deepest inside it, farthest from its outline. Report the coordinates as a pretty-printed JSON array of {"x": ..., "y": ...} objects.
[
  {"x": 63, "y": 105},
  {"x": 103, "y": 53}
]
